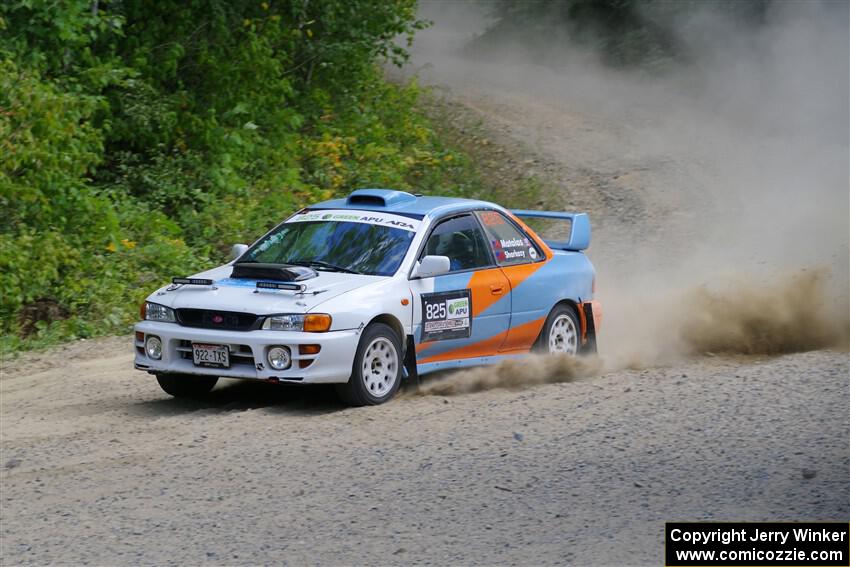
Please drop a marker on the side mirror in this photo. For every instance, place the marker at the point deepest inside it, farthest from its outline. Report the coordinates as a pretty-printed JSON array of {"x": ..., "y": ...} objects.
[
  {"x": 238, "y": 250},
  {"x": 431, "y": 266}
]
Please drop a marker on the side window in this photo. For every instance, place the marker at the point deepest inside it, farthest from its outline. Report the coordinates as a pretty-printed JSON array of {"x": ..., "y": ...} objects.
[
  {"x": 460, "y": 239},
  {"x": 509, "y": 245}
]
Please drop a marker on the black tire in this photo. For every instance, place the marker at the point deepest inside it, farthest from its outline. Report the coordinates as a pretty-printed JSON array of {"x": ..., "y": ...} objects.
[
  {"x": 186, "y": 385},
  {"x": 542, "y": 345},
  {"x": 356, "y": 392}
]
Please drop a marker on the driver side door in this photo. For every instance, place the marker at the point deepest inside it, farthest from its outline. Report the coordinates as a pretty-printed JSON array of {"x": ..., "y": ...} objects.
[{"x": 464, "y": 313}]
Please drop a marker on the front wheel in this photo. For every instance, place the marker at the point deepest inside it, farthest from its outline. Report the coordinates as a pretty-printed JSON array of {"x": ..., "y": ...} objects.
[
  {"x": 377, "y": 369},
  {"x": 186, "y": 385},
  {"x": 561, "y": 333}
]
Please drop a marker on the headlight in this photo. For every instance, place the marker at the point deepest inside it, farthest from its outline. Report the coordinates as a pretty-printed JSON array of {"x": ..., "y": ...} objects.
[
  {"x": 153, "y": 346},
  {"x": 157, "y": 312},
  {"x": 279, "y": 357},
  {"x": 284, "y": 323},
  {"x": 310, "y": 323}
]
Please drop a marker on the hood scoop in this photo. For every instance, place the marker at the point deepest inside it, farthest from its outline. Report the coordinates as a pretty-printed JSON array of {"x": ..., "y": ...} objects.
[{"x": 274, "y": 272}]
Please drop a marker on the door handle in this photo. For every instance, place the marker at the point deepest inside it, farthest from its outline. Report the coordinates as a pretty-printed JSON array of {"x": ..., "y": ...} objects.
[{"x": 497, "y": 289}]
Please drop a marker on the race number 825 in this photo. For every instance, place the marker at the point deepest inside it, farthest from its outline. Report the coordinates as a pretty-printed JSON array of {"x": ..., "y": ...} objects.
[{"x": 435, "y": 310}]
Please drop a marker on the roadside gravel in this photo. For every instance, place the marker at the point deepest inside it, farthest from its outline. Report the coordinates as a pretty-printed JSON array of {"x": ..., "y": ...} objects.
[{"x": 100, "y": 467}]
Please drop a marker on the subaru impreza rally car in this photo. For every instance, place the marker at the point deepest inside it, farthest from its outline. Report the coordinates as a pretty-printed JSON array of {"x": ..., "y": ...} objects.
[{"x": 366, "y": 291}]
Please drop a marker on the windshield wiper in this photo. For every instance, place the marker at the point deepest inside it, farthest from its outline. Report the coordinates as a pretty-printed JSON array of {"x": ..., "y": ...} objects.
[{"x": 324, "y": 265}]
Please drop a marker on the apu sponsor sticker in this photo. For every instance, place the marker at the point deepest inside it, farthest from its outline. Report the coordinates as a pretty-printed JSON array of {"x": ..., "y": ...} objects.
[
  {"x": 340, "y": 215},
  {"x": 457, "y": 308}
]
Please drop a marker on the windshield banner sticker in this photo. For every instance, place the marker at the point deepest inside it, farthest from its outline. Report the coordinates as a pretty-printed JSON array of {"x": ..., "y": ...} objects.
[
  {"x": 365, "y": 217},
  {"x": 446, "y": 315}
]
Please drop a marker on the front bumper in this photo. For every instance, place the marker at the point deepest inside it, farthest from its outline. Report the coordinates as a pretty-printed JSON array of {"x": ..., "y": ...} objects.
[{"x": 248, "y": 350}]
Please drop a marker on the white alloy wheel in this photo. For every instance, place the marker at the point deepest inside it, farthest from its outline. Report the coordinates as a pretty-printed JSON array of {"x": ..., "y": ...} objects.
[
  {"x": 380, "y": 367},
  {"x": 563, "y": 337}
]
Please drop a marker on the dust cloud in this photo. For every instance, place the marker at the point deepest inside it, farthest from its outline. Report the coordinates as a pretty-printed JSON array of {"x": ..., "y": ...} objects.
[
  {"x": 718, "y": 185},
  {"x": 513, "y": 374},
  {"x": 791, "y": 315}
]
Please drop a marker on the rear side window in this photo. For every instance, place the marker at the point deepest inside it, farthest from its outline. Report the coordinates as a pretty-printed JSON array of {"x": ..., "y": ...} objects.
[
  {"x": 509, "y": 245},
  {"x": 461, "y": 240}
]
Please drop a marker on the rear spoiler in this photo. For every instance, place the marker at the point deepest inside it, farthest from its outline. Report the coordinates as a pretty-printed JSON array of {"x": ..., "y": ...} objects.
[{"x": 579, "y": 228}]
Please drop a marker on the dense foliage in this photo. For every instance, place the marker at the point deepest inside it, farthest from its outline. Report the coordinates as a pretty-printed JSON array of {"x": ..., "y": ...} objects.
[{"x": 139, "y": 139}]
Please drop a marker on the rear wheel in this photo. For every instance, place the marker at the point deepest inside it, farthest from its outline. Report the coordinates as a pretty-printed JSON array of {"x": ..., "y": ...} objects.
[
  {"x": 377, "y": 369},
  {"x": 186, "y": 385},
  {"x": 561, "y": 333}
]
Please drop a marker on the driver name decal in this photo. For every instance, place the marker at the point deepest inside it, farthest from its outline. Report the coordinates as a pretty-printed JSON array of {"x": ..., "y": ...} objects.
[
  {"x": 509, "y": 248},
  {"x": 446, "y": 315}
]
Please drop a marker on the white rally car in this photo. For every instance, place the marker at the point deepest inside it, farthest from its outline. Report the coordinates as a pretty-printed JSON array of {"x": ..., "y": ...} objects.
[{"x": 365, "y": 291}]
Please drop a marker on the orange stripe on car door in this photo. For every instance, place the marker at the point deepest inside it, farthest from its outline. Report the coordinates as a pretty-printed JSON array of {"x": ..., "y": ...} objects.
[
  {"x": 518, "y": 334},
  {"x": 488, "y": 287},
  {"x": 521, "y": 272},
  {"x": 423, "y": 346},
  {"x": 525, "y": 334},
  {"x": 487, "y": 347},
  {"x": 522, "y": 337}
]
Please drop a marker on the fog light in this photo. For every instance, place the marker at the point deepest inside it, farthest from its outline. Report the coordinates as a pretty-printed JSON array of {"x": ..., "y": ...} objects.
[
  {"x": 279, "y": 358},
  {"x": 153, "y": 346}
]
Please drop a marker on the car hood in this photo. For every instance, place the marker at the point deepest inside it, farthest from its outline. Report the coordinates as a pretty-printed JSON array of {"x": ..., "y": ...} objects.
[{"x": 241, "y": 295}]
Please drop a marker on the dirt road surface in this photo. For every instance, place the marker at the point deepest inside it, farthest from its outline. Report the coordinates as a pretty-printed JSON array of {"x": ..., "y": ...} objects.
[{"x": 100, "y": 467}]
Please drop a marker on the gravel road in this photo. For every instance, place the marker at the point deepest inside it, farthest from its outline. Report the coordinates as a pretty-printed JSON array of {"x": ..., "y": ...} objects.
[{"x": 100, "y": 467}]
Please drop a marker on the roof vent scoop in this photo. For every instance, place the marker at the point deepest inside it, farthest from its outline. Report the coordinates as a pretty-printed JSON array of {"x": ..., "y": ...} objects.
[{"x": 379, "y": 198}]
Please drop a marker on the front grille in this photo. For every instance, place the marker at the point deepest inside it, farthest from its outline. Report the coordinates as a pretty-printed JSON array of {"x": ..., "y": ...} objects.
[
  {"x": 239, "y": 354},
  {"x": 225, "y": 320}
]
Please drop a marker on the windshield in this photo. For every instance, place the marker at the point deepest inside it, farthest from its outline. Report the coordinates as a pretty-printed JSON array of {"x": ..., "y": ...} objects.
[{"x": 336, "y": 246}]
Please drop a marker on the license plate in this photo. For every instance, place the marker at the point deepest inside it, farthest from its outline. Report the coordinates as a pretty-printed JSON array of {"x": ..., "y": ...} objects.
[{"x": 215, "y": 356}]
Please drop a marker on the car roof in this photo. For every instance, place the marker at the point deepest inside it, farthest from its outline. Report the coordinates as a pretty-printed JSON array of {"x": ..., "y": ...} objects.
[{"x": 403, "y": 203}]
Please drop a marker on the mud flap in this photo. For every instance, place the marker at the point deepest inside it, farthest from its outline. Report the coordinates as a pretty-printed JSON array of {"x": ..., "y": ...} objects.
[
  {"x": 589, "y": 346},
  {"x": 410, "y": 365}
]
